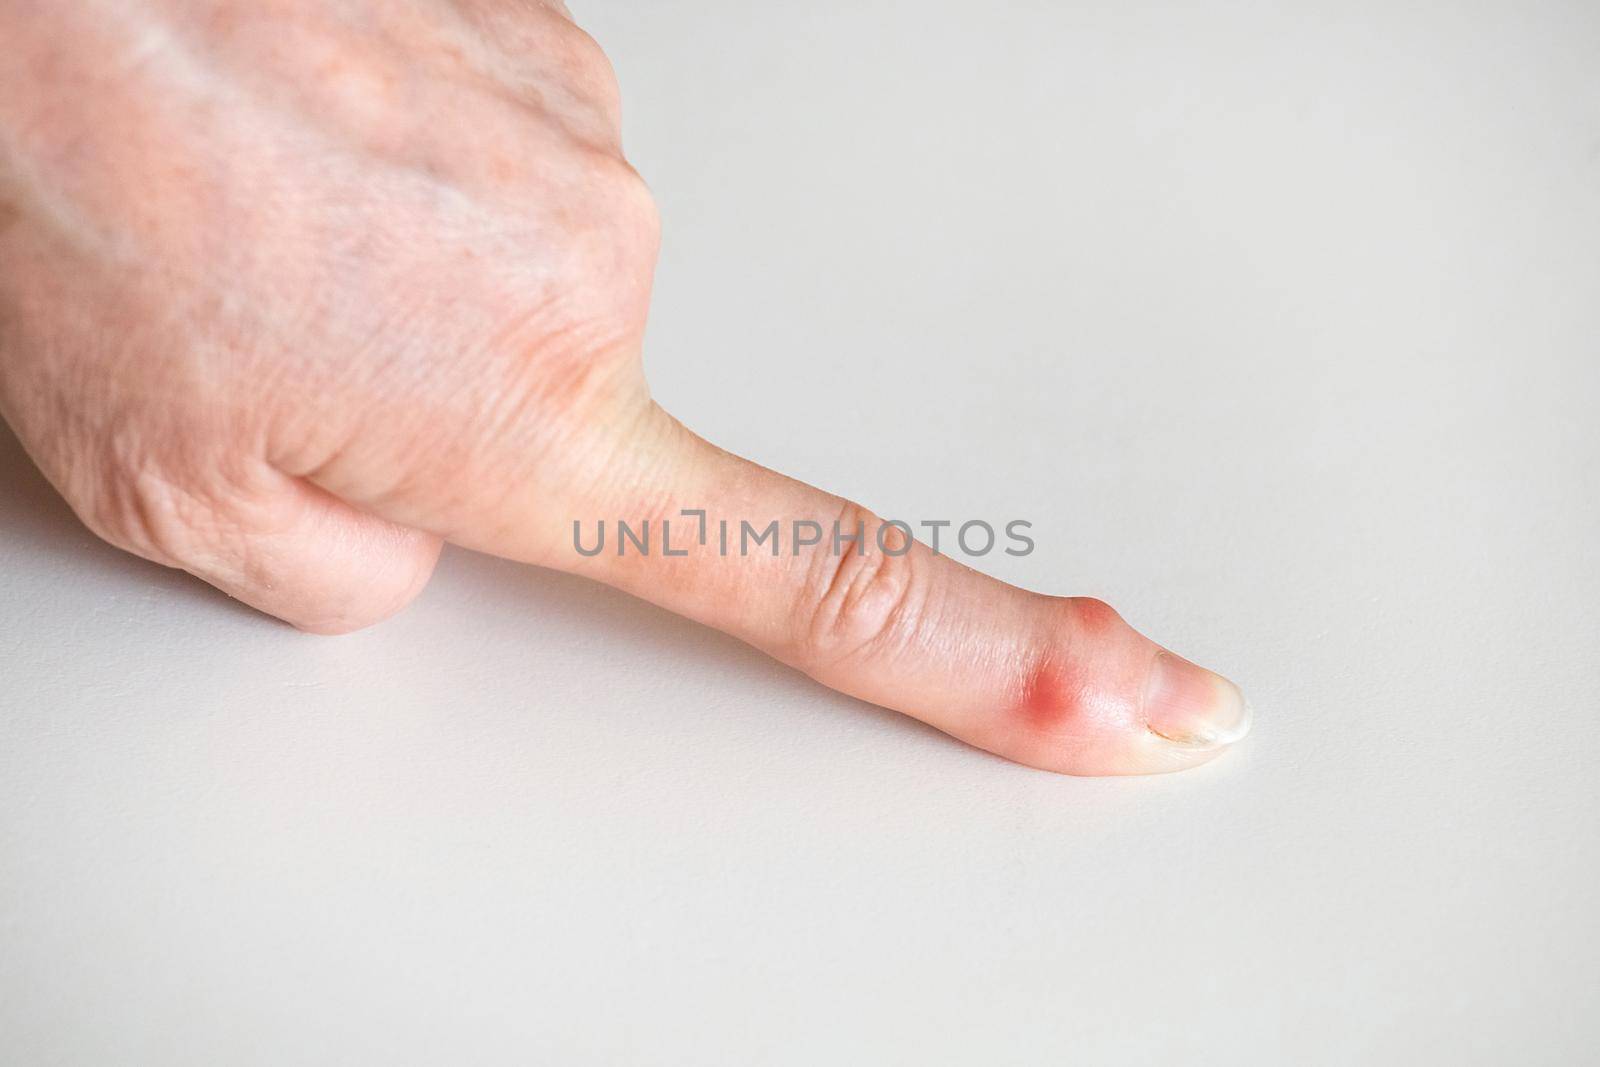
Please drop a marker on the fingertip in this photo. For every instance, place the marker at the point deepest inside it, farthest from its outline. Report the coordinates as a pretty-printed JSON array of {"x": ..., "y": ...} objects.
[
  {"x": 1186, "y": 704},
  {"x": 1102, "y": 699}
]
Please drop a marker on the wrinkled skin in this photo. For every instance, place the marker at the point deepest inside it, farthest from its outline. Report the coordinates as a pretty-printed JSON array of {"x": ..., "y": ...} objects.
[
  {"x": 292, "y": 292},
  {"x": 278, "y": 256}
]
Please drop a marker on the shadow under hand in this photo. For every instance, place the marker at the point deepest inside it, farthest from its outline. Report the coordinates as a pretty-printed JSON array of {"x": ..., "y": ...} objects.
[{"x": 581, "y": 612}]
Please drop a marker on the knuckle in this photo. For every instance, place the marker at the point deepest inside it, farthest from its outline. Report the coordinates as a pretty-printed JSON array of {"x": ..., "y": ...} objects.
[
  {"x": 860, "y": 601},
  {"x": 144, "y": 504},
  {"x": 637, "y": 206},
  {"x": 618, "y": 207},
  {"x": 602, "y": 262},
  {"x": 594, "y": 68},
  {"x": 148, "y": 515},
  {"x": 1093, "y": 614}
]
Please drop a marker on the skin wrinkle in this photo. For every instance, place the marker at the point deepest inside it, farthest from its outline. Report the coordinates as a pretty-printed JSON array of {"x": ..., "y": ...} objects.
[
  {"x": 850, "y": 575},
  {"x": 906, "y": 615}
]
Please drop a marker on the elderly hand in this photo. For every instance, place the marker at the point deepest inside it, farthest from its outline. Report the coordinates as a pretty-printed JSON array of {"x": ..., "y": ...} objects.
[{"x": 293, "y": 291}]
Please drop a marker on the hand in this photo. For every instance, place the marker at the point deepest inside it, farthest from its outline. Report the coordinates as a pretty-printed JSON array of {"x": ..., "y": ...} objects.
[{"x": 293, "y": 291}]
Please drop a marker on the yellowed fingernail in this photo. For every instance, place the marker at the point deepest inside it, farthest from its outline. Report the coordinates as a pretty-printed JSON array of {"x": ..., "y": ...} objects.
[{"x": 1188, "y": 705}]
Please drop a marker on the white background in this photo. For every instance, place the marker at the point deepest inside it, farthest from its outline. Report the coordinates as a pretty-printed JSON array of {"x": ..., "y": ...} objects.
[{"x": 1280, "y": 322}]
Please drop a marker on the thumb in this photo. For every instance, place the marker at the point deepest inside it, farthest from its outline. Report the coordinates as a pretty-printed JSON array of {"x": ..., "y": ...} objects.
[{"x": 1062, "y": 684}]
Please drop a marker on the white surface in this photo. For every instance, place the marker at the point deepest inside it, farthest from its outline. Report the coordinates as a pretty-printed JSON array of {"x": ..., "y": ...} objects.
[{"x": 1284, "y": 330}]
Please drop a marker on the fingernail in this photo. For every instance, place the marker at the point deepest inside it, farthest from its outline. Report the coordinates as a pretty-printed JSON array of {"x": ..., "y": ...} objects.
[{"x": 1189, "y": 705}]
